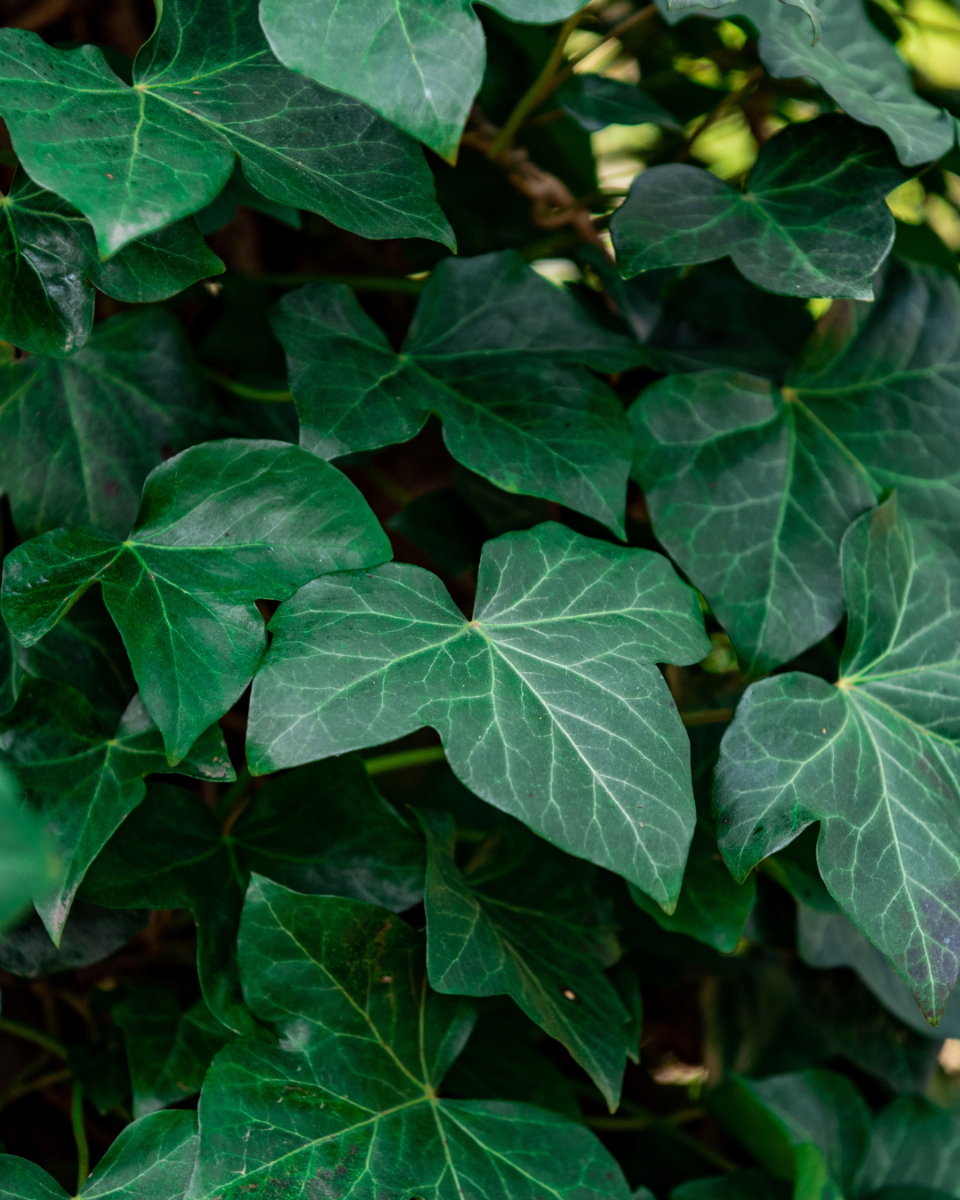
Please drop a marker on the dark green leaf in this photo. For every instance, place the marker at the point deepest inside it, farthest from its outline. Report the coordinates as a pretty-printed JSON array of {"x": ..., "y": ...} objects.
[
  {"x": 547, "y": 702},
  {"x": 207, "y": 88},
  {"x": 323, "y": 828},
  {"x": 595, "y": 102},
  {"x": 82, "y": 778},
  {"x": 521, "y": 920},
  {"x": 854, "y": 64},
  {"x": 913, "y": 1142},
  {"x": 79, "y": 436},
  {"x": 348, "y": 1098},
  {"x": 28, "y": 864},
  {"x": 740, "y": 1185},
  {"x": 417, "y": 63},
  {"x": 152, "y": 1159},
  {"x": 874, "y": 758},
  {"x": 812, "y": 221},
  {"x": 751, "y": 488},
  {"x": 168, "y": 1050},
  {"x": 219, "y": 526},
  {"x": 443, "y": 524},
  {"x": 91, "y": 933},
  {"x": 491, "y": 349},
  {"x": 808, "y": 6}
]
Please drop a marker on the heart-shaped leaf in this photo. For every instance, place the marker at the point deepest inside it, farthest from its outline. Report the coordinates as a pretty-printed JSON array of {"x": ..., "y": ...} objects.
[
  {"x": 206, "y": 88},
  {"x": 811, "y": 222},
  {"x": 348, "y": 1098},
  {"x": 219, "y": 526},
  {"x": 548, "y": 702},
  {"x": 491, "y": 349},
  {"x": 874, "y": 759}
]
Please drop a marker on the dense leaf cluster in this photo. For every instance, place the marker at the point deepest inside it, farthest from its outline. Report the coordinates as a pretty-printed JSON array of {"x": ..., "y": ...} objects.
[{"x": 480, "y": 644}]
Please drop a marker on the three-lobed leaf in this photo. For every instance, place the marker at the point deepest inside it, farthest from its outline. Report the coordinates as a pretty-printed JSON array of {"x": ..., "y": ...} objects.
[
  {"x": 547, "y": 701},
  {"x": 220, "y": 525}
]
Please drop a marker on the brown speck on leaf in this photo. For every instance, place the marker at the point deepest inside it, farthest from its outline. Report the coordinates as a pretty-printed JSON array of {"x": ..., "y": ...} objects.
[
  {"x": 569, "y": 994},
  {"x": 386, "y": 979},
  {"x": 108, "y": 175}
]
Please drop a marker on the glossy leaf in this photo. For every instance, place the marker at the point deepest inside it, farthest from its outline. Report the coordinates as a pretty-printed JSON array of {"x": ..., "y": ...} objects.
[
  {"x": 152, "y": 1159},
  {"x": 219, "y": 526},
  {"x": 853, "y": 63},
  {"x": 874, "y": 758},
  {"x": 547, "y": 702},
  {"x": 320, "y": 829},
  {"x": 348, "y": 1097},
  {"x": 417, "y": 62},
  {"x": 811, "y": 222},
  {"x": 595, "y": 102},
  {"x": 913, "y": 1142},
  {"x": 492, "y": 349},
  {"x": 751, "y": 487},
  {"x": 520, "y": 920},
  {"x": 206, "y": 88},
  {"x": 82, "y": 778},
  {"x": 79, "y": 436},
  {"x": 49, "y": 264}
]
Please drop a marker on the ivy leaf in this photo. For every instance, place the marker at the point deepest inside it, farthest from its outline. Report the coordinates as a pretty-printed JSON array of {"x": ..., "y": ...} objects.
[
  {"x": 90, "y": 935},
  {"x": 78, "y": 436},
  {"x": 323, "y": 828},
  {"x": 206, "y": 88},
  {"x": 713, "y": 907},
  {"x": 811, "y": 1126},
  {"x": 152, "y": 1159},
  {"x": 348, "y": 1097},
  {"x": 28, "y": 864},
  {"x": 491, "y": 349},
  {"x": 738, "y": 1185},
  {"x": 882, "y": 779},
  {"x": 521, "y": 920},
  {"x": 595, "y": 102},
  {"x": 169, "y": 1051},
  {"x": 49, "y": 264},
  {"x": 219, "y": 526},
  {"x": 751, "y": 487},
  {"x": 419, "y": 63},
  {"x": 812, "y": 222},
  {"x": 853, "y": 63},
  {"x": 807, "y": 6},
  {"x": 82, "y": 778},
  {"x": 547, "y": 702},
  {"x": 914, "y": 1142}
]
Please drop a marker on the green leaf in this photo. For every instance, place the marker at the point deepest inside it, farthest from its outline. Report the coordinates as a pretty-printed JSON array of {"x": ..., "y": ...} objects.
[
  {"x": 206, "y": 88},
  {"x": 348, "y": 1098},
  {"x": 713, "y": 907},
  {"x": 78, "y": 436},
  {"x": 219, "y": 526},
  {"x": 595, "y": 102},
  {"x": 853, "y": 63},
  {"x": 521, "y": 920},
  {"x": 419, "y": 63},
  {"x": 323, "y": 828},
  {"x": 811, "y": 222},
  {"x": 49, "y": 263},
  {"x": 739, "y": 1185},
  {"x": 913, "y": 1142},
  {"x": 807, "y": 6},
  {"x": 169, "y": 1051},
  {"x": 28, "y": 863},
  {"x": 491, "y": 349},
  {"x": 82, "y": 778},
  {"x": 547, "y": 702},
  {"x": 874, "y": 758},
  {"x": 152, "y": 1159},
  {"x": 751, "y": 488},
  {"x": 812, "y": 1127},
  {"x": 91, "y": 933}
]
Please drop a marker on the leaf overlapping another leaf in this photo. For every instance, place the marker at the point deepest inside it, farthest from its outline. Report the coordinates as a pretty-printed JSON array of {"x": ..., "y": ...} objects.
[
  {"x": 206, "y": 88},
  {"x": 751, "y": 488},
  {"x": 875, "y": 759},
  {"x": 348, "y": 1098},
  {"x": 547, "y": 702},
  {"x": 493, "y": 349},
  {"x": 219, "y": 526},
  {"x": 811, "y": 222}
]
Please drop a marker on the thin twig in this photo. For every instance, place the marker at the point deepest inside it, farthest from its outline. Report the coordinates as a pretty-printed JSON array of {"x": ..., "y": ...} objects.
[
  {"x": 246, "y": 393},
  {"x": 30, "y": 1034},
  {"x": 80, "y": 1136},
  {"x": 35, "y": 1085}
]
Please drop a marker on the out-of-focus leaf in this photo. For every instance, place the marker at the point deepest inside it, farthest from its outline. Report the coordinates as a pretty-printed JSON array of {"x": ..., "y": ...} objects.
[
  {"x": 28, "y": 863},
  {"x": 595, "y": 102},
  {"x": 90, "y": 934}
]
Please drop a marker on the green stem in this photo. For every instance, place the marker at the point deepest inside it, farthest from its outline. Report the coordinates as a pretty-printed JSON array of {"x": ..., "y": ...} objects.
[
  {"x": 247, "y": 393},
  {"x": 647, "y": 1121},
  {"x": 33, "y": 1035},
  {"x": 707, "y": 716},
  {"x": 80, "y": 1135},
  {"x": 35, "y": 1085},
  {"x": 536, "y": 91},
  {"x": 404, "y": 759}
]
